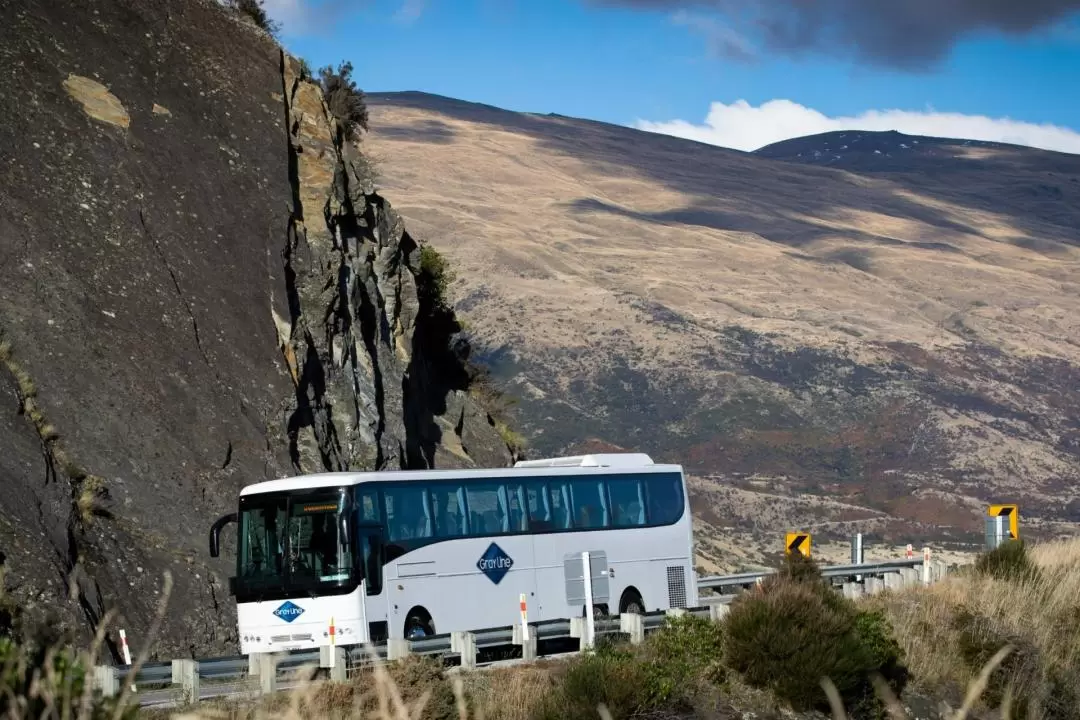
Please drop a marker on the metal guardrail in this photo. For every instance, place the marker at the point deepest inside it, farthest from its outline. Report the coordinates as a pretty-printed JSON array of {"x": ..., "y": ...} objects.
[
  {"x": 236, "y": 668},
  {"x": 831, "y": 572}
]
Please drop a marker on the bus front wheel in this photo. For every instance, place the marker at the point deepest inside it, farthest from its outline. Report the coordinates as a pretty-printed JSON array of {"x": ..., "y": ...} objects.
[{"x": 418, "y": 625}]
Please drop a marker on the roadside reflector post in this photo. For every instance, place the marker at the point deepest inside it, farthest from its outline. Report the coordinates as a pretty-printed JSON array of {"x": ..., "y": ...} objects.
[
  {"x": 127, "y": 653},
  {"x": 926, "y": 566},
  {"x": 590, "y": 621},
  {"x": 524, "y": 620},
  {"x": 858, "y": 557},
  {"x": 333, "y": 656}
]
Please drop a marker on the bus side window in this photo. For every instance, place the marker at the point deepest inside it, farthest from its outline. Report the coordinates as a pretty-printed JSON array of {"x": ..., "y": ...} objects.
[
  {"x": 539, "y": 505},
  {"x": 628, "y": 500},
  {"x": 560, "y": 504},
  {"x": 448, "y": 507},
  {"x": 590, "y": 503},
  {"x": 665, "y": 498},
  {"x": 516, "y": 507}
]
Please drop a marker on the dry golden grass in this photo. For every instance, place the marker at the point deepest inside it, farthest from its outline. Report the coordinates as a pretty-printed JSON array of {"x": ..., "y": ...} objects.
[{"x": 945, "y": 627}]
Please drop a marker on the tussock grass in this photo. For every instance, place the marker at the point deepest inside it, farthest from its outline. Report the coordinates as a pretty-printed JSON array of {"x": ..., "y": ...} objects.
[{"x": 1026, "y": 599}]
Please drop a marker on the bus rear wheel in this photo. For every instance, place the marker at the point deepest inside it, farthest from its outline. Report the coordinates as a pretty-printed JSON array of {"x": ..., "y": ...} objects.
[{"x": 632, "y": 603}]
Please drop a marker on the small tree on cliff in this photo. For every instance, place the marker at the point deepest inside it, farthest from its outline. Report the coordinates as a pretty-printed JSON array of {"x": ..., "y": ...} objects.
[{"x": 345, "y": 100}]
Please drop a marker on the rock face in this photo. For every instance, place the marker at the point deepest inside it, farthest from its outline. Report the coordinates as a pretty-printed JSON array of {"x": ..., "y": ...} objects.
[
  {"x": 351, "y": 327},
  {"x": 197, "y": 291}
]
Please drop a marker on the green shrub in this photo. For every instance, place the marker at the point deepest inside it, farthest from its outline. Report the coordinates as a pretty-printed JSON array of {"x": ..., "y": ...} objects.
[
  {"x": 611, "y": 674},
  {"x": 1008, "y": 561},
  {"x": 254, "y": 9},
  {"x": 682, "y": 658},
  {"x": 344, "y": 99},
  {"x": 48, "y": 683},
  {"x": 792, "y": 633}
]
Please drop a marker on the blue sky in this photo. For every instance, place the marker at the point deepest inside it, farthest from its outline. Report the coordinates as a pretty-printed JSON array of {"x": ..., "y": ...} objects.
[{"x": 655, "y": 65}]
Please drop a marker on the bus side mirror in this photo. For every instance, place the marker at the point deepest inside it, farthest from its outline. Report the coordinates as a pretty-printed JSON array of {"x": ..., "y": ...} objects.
[{"x": 215, "y": 532}]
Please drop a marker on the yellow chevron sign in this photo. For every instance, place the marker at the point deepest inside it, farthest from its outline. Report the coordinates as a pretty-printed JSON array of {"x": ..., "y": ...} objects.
[
  {"x": 1012, "y": 512},
  {"x": 797, "y": 542}
]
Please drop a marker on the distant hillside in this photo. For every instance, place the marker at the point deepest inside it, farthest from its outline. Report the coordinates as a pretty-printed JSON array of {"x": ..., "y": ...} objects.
[{"x": 896, "y": 334}]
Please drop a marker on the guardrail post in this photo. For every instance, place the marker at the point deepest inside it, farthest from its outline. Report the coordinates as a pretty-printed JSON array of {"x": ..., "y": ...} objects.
[
  {"x": 941, "y": 570},
  {"x": 718, "y": 612},
  {"x": 185, "y": 673},
  {"x": 577, "y": 627},
  {"x": 397, "y": 648},
  {"x": 334, "y": 658},
  {"x": 909, "y": 576},
  {"x": 464, "y": 643},
  {"x": 893, "y": 581},
  {"x": 267, "y": 665},
  {"x": 633, "y": 625},
  {"x": 675, "y": 612},
  {"x": 107, "y": 679},
  {"x": 528, "y": 648},
  {"x": 852, "y": 590},
  {"x": 874, "y": 585}
]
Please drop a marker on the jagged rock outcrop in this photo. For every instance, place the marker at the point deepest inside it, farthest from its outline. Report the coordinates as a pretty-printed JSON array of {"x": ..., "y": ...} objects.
[
  {"x": 146, "y": 301},
  {"x": 351, "y": 322}
]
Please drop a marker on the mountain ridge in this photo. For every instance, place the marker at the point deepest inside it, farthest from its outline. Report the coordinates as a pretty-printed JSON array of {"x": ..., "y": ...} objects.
[{"x": 896, "y": 339}]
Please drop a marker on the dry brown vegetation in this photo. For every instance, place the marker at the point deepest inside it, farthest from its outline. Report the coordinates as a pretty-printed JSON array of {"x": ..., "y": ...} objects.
[
  {"x": 950, "y": 629},
  {"x": 896, "y": 340},
  {"x": 999, "y": 640}
]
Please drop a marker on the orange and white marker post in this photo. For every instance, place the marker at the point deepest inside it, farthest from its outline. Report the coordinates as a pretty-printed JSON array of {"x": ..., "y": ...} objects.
[
  {"x": 333, "y": 640},
  {"x": 524, "y": 620},
  {"x": 910, "y": 551},
  {"x": 926, "y": 566}
]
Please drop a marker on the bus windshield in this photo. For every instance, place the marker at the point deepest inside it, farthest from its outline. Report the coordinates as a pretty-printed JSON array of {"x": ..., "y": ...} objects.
[{"x": 290, "y": 544}]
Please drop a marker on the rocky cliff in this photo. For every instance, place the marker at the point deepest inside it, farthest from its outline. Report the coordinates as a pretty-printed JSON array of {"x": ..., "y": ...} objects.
[{"x": 200, "y": 288}]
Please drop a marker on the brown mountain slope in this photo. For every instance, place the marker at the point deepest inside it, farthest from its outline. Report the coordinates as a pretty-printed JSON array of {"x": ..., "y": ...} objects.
[
  {"x": 172, "y": 206},
  {"x": 905, "y": 344}
]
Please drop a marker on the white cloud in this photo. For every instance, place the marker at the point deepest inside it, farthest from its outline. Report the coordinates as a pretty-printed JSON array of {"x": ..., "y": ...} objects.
[{"x": 745, "y": 127}]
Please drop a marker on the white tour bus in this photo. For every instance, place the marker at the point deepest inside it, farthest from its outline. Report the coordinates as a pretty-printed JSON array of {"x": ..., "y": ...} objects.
[{"x": 402, "y": 554}]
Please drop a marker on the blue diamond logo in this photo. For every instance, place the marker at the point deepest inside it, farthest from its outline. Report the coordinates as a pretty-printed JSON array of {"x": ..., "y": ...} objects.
[
  {"x": 288, "y": 611},
  {"x": 494, "y": 563}
]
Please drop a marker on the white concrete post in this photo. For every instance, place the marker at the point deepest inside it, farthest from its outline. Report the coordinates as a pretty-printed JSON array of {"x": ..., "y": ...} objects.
[
  {"x": 633, "y": 625},
  {"x": 334, "y": 658},
  {"x": 464, "y": 643},
  {"x": 577, "y": 628},
  {"x": 893, "y": 581},
  {"x": 718, "y": 611},
  {"x": 107, "y": 679},
  {"x": 185, "y": 673},
  {"x": 268, "y": 674},
  {"x": 397, "y": 648},
  {"x": 590, "y": 621},
  {"x": 926, "y": 566}
]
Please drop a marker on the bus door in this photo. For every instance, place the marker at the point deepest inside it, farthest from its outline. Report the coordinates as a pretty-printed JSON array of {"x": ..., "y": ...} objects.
[{"x": 372, "y": 556}]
